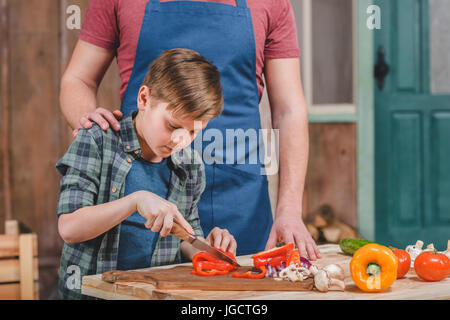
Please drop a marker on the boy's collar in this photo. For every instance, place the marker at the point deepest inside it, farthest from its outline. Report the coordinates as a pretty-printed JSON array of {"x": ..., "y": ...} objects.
[
  {"x": 128, "y": 134},
  {"x": 131, "y": 143}
]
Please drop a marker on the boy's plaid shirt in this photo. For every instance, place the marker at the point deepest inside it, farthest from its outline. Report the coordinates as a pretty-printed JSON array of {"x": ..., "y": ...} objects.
[{"x": 94, "y": 170}]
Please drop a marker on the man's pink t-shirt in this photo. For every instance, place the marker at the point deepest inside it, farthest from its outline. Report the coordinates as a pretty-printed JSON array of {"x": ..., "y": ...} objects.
[{"x": 116, "y": 24}]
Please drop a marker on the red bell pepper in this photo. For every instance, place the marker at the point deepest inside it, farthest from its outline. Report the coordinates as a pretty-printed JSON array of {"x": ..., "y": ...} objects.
[
  {"x": 202, "y": 270},
  {"x": 251, "y": 275},
  {"x": 208, "y": 265},
  {"x": 274, "y": 256},
  {"x": 294, "y": 257}
]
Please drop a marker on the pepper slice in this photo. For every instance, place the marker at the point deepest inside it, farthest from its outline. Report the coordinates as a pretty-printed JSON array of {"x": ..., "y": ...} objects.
[
  {"x": 283, "y": 250},
  {"x": 274, "y": 256},
  {"x": 208, "y": 265},
  {"x": 251, "y": 275},
  {"x": 294, "y": 257},
  {"x": 208, "y": 273}
]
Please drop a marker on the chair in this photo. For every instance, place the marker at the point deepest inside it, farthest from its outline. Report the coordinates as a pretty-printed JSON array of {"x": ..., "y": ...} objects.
[{"x": 18, "y": 263}]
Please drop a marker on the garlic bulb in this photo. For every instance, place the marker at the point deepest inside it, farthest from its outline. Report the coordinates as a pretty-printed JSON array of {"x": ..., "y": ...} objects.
[{"x": 414, "y": 251}]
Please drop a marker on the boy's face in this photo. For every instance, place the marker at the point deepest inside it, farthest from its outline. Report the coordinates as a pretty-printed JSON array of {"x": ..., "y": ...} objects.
[{"x": 163, "y": 133}]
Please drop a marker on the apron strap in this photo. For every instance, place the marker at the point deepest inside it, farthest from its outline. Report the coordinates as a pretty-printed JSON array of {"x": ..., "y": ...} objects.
[
  {"x": 155, "y": 5},
  {"x": 241, "y": 4}
]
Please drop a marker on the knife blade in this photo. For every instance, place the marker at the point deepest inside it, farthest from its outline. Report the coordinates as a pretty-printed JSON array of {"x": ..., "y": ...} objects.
[{"x": 179, "y": 232}]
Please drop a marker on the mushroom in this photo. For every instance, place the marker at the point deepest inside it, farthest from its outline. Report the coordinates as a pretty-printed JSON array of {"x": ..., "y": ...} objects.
[
  {"x": 430, "y": 247},
  {"x": 329, "y": 278},
  {"x": 414, "y": 251},
  {"x": 335, "y": 271}
]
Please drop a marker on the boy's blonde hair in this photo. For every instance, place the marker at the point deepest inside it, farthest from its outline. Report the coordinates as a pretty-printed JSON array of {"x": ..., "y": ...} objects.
[{"x": 188, "y": 82}]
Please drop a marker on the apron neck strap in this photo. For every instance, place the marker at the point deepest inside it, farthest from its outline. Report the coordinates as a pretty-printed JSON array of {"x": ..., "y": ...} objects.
[
  {"x": 155, "y": 4},
  {"x": 239, "y": 4}
]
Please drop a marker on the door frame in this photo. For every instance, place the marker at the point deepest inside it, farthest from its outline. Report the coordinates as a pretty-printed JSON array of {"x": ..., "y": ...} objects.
[
  {"x": 365, "y": 124},
  {"x": 360, "y": 113},
  {"x": 363, "y": 117}
]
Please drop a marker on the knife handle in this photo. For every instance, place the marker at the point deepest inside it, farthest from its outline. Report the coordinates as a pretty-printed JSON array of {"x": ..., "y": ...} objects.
[{"x": 179, "y": 232}]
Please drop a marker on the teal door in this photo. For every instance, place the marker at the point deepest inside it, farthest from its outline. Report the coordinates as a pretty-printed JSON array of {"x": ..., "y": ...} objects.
[{"x": 412, "y": 126}]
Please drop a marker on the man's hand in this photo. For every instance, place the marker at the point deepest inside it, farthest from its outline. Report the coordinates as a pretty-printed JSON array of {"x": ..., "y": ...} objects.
[
  {"x": 222, "y": 239},
  {"x": 103, "y": 117},
  {"x": 290, "y": 116},
  {"x": 292, "y": 229}
]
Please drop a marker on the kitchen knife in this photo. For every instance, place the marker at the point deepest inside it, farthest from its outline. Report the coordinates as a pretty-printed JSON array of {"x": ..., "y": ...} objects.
[{"x": 179, "y": 232}]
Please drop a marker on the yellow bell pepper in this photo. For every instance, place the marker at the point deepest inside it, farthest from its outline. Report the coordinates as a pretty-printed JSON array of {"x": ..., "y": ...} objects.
[{"x": 373, "y": 268}]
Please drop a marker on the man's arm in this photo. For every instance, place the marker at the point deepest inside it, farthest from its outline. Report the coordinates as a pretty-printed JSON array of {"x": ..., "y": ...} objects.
[
  {"x": 290, "y": 116},
  {"x": 79, "y": 85}
]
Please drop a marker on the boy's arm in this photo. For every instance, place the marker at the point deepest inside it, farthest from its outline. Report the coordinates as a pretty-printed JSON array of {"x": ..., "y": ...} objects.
[
  {"x": 89, "y": 222},
  {"x": 80, "y": 219}
]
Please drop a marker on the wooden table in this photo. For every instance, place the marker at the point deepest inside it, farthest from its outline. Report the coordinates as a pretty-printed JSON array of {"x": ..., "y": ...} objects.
[{"x": 411, "y": 287}]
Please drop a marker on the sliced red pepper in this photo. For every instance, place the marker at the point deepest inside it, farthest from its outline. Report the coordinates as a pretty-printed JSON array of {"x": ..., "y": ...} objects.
[
  {"x": 275, "y": 257},
  {"x": 294, "y": 257},
  {"x": 203, "y": 256},
  {"x": 209, "y": 273},
  {"x": 208, "y": 265},
  {"x": 286, "y": 249},
  {"x": 251, "y": 275},
  {"x": 274, "y": 261}
]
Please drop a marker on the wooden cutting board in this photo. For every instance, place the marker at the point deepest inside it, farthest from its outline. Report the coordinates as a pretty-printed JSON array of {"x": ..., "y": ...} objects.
[{"x": 179, "y": 277}]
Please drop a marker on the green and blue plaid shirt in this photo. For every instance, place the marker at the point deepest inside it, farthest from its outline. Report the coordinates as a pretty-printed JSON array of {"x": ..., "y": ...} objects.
[{"x": 93, "y": 171}]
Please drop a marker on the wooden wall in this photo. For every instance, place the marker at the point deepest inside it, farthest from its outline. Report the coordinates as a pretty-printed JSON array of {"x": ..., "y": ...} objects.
[
  {"x": 331, "y": 176},
  {"x": 35, "y": 49}
]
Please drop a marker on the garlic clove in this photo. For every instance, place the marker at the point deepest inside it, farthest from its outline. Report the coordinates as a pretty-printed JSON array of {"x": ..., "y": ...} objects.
[
  {"x": 419, "y": 244},
  {"x": 414, "y": 251}
]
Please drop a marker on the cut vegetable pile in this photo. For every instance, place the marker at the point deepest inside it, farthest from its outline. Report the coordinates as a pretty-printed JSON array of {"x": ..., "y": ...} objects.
[{"x": 280, "y": 263}]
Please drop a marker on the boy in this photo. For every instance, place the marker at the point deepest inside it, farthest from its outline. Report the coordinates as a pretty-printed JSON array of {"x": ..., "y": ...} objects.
[{"x": 117, "y": 185}]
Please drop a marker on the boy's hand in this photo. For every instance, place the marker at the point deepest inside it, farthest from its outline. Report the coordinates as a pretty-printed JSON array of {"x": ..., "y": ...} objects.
[
  {"x": 103, "y": 117},
  {"x": 222, "y": 239},
  {"x": 159, "y": 213}
]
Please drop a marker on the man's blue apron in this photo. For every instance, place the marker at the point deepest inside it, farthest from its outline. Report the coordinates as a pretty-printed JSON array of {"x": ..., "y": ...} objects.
[{"x": 236, "y": 195}]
